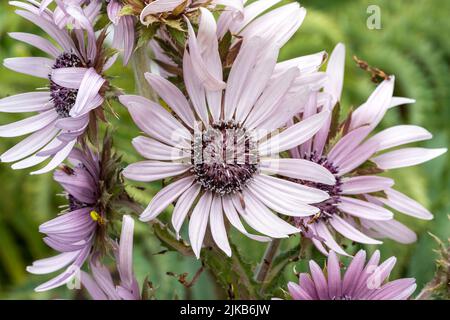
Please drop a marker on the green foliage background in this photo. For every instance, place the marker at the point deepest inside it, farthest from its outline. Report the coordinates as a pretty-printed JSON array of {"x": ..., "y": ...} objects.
[{"x": 413, "y": 44}]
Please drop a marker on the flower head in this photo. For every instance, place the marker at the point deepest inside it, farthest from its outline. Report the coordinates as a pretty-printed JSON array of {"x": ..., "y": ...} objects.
[
  {"x": 361, "y": 281},
  {"x": 101, "y": 285},
  {"x": 73, "y": 233},
  {"x": 91, "y": 187},
  {"x": 217, "y": 145},
  {"x": 357, "y": 205},
  {"x": 76, "y": 87}
]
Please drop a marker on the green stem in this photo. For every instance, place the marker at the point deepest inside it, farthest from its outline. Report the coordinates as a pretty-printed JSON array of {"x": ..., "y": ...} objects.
[
  {"x": 141, "y": 64},
  {"x": 267, "y": 260}
]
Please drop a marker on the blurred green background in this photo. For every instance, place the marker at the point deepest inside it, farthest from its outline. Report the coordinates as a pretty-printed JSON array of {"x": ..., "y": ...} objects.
[{"x": 413, "y": 44}]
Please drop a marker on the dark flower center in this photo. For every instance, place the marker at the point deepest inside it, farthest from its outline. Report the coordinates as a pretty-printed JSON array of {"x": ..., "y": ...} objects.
[
  {"x": 328, "y": 208},
  {"x": 64, "y": 98},
  {"x": 224, "y": 157}
]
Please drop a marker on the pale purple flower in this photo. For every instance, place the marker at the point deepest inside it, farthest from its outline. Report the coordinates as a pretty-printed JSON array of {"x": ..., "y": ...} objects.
[
  {"x": 101, "y": 285},
  {"x": 358, "y": 200},
  {"x": 361, "y": 281},
  {"x": 73, "y": 233},
  {"x": 216, "y": 145},
  {"x": 74, "y": 70}
]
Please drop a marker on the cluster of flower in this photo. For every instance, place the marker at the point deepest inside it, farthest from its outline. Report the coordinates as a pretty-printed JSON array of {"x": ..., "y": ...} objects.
[{"x": 234, "y": 133}]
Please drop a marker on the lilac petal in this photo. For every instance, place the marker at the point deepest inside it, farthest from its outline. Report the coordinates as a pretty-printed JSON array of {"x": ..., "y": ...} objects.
[
  {"x": 113, "y": 11},
  {"x": 259, "y": 77},
  {"x": 398, "y": 101},
  {"x": 184, "y": 204},
  {"x": 142, "y": 110},
  {"x": 348, "y": 231},
  {"x": 217, "y": 226},
  {"x": 407, "y": 157},
  {"x": 295, "y": 190},
  {"x": 60, "y": 35},
  {"x": 360, "y": 155},
  {"x": 26, "y": 102},
  {"x": 323, "y": 232},
  {"x": 393, "y": 230},
  {"x": 59, "y": 157},
  {"x": 104, "y": 280},
  {"x": 92, "y": 287},
  {"x": 260, "y": 218},
  {"x": 320, "y": 281},
  {"x": 68, "y": 77},
  {"x": 125, "y": 265},
  {"x": 233, "y": 218},
  {"x": 365, "y": 184},
  {"x": 308, "y": 285},
  {"x": 335, "y": 73},
  {"x": 155, "y": 150},
  {"x": 67, "y": 221},
  {"x": 199, "y": 222},
  {"x": 309, "y": 110},
  {"x": 405, "y": 205},
  {"x": 211, "y": 81},
  {"x": 29, "y": 125},
  {"x": 294, "y": 135},
  {"x": 298, "y": 169},
  {"x": 52, "y": 264},
  {"x": 36, "y": 41},
  {"x": 194, "y": 88},
  {"x": 364, "y": 209},
  {"x": 381, "y": 273},
  {"x": 400, "y": 289},
  {"x": 239, "y": 73},
  {"x": 277, "y": 26},
  {"x": 347, "y": 145},
  {"x": 297, "y": 292},
  {"x": 209, "y": 49},
  {"x": 371, "y": 112},
  {"x": 73, "y": 124},
  {"x": 34, "y": 159},
  {"x": 250, "y": 12},
  {"x": 334, "y": 276},
  {"x": 89, "y": 89},
  {"x": 306, "y": 64},
  {"x": 284, "y": 206},
  {"x": 34, "y": 66},
  {"x": 126, "y": 27},
  {"x": 159, "y": 6},
  {"x": 399, "y": 135},
  {"x": 173, "y": 97},
  {"x": 29, "y": 145},
  {"x": 271, "y": 96},
  {"x": 165, "y": 197},
  {"x": 148, "y": 171},
  {"x": 361, "y": 287},
  {"x": 353, "y": 272}
]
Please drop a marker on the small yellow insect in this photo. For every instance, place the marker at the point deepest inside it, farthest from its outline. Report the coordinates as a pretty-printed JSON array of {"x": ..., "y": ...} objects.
[{"x": 97, "y": 217}]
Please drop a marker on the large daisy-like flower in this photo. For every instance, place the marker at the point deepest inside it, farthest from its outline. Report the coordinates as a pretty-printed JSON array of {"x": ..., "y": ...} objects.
[
  {"x": 76, "y": 90},
  {"x": 73, "y": 233},
  {"x": 356, "y": 208},
  {"x": 101, "y": 285},
  {"x": 361, "y": 281},
  {"x": 217, "y": 144}
]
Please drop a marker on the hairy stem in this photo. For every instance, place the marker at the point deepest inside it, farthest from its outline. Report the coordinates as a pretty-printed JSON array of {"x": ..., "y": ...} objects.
[
  {"x": 267, "y": 260},
  {"x": 141, "y": 64}
]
